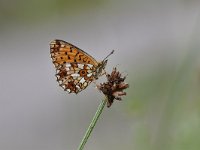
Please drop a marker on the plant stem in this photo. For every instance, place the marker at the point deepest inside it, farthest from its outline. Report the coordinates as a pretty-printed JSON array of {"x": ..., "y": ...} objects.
[{"x": 92, "y": 124}]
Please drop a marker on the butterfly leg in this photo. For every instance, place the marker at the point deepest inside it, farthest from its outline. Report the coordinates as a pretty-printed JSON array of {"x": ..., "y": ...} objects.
[{"x": 103, "y": 72}]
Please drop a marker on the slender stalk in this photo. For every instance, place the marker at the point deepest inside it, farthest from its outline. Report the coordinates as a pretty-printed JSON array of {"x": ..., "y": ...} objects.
[{"x": 92, "y": 124}]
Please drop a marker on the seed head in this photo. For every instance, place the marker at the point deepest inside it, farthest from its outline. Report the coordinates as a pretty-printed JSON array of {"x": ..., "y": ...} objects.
[{"x": 113, "y": 88}]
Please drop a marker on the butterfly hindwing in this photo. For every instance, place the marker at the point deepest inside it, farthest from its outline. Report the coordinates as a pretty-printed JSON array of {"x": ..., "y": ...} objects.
[{"x": 74, "y": 77}]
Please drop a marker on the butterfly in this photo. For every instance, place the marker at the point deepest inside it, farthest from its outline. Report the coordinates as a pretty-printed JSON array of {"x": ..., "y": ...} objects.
[{"x": 75, "y": 69}]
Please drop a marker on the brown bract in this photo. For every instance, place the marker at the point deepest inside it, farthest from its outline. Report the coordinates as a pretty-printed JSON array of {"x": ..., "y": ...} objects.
[{"x": 113, "y": 88}]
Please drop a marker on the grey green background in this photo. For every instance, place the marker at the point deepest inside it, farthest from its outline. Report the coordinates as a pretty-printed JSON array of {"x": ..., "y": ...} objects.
[{"x": 156, "y": 45}]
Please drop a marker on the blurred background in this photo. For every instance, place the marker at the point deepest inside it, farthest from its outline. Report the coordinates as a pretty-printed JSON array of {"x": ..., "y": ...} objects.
[{"x": 156, "y": 45}]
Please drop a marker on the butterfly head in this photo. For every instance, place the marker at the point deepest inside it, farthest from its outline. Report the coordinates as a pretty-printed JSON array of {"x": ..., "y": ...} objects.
[{"x": 101, "y": 68}]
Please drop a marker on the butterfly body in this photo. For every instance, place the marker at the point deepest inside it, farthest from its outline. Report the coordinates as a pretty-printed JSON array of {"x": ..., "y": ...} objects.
[{"x": 75, "y": 69}]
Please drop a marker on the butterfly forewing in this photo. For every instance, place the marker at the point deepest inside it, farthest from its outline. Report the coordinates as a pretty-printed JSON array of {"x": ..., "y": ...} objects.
[
  {"x": 75, "y": 69},
  {"x": 64, "y": 52}
]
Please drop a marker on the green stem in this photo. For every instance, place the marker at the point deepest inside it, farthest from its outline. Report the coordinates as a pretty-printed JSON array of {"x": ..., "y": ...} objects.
[{"x": 92, "y": 124}]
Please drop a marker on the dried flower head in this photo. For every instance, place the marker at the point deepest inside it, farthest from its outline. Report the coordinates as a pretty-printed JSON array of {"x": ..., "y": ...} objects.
[{"x": 113, "y": 88}]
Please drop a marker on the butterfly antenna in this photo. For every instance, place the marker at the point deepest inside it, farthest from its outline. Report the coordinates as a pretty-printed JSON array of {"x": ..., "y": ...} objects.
[{"x": 109, "y": 55}]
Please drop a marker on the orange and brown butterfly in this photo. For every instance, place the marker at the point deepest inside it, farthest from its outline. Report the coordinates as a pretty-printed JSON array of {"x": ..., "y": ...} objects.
[{"x": 75, "y": 69}]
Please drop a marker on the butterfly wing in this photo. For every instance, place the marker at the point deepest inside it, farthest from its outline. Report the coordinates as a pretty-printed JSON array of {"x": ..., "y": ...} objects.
[
  {"x": 63, "y": 52},
  {"x": 75, "y": 68},
  {"x": 75, "y": 77}
]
